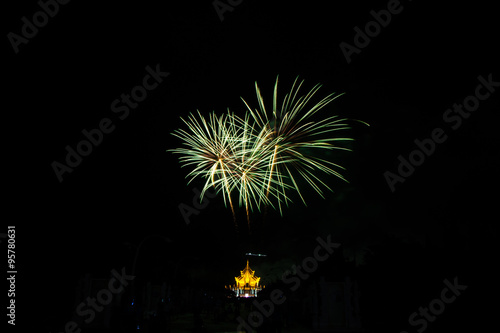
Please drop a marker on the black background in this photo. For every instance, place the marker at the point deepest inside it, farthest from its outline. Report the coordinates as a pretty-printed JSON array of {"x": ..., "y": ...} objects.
[{"x": 440, "y": 223}]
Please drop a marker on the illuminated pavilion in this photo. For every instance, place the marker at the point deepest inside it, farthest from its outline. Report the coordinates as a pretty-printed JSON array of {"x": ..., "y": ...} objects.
[{"x": 247, "y": 284}]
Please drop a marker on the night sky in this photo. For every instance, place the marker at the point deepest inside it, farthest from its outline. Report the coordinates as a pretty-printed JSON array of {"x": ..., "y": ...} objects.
[{"x": 440, "y": 223}]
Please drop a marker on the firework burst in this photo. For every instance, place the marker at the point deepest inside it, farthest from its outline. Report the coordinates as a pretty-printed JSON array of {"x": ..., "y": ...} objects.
[
  {"x": 212, "y": 146},
  {"x": 292, "y": 131},
  {"x": 262, "y": 156}
]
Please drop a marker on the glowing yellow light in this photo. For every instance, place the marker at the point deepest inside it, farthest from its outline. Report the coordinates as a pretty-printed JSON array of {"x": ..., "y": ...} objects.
[{"x": 247, "y": 284}]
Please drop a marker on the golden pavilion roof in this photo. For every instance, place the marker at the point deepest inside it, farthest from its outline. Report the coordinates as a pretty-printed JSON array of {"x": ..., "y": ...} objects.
[{"x": 247, "y": 278}]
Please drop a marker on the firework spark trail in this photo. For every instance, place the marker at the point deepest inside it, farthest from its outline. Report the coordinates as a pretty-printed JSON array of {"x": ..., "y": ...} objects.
[
  {"x": 251, "y": 168},
  {"x": 293, "y": 129},
  {"x": 209, "y": 144},
  {"x": 258, "y": 155}
]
